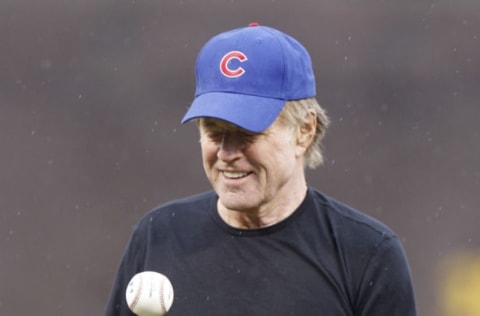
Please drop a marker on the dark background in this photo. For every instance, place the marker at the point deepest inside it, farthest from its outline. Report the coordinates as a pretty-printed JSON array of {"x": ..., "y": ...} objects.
[{"x": 92, "y": 92}]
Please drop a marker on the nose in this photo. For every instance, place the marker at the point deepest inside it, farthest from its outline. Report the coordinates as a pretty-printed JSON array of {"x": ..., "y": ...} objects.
[{"x": 230, "y": 147}]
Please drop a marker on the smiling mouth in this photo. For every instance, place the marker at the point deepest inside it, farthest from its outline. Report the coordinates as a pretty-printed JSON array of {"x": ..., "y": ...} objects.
[{"x": 235, "y": 175}]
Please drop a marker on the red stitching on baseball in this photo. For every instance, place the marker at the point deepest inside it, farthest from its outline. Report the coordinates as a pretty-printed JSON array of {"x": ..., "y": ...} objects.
[
  {"x": 137, "y": 294},
  {"x": 162, "y": 303}
]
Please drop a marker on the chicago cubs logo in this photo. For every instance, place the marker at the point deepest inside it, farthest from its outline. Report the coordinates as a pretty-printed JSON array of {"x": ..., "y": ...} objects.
[{"x": 235, "y": 72}]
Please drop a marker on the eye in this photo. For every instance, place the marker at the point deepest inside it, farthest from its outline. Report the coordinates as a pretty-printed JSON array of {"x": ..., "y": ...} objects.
[
  {"x": 247, "y": 138},
  {"x": 215, "y": 133},
  {"x": 215, "y": 136}
]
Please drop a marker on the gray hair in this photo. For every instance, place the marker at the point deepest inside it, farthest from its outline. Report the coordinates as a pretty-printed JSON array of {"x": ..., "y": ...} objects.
[{"x": 295, "y": 114}]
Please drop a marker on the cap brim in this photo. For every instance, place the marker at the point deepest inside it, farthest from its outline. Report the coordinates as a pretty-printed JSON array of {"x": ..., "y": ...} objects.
[{"x": 249, "y": 112}]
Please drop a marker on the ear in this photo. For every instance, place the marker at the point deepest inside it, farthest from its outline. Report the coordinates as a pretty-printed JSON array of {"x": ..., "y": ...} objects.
[{"x": 306, "y": 132}]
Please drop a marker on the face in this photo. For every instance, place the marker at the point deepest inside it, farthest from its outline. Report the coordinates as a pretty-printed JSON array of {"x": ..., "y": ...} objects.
[{"x": 248, "y": 171}]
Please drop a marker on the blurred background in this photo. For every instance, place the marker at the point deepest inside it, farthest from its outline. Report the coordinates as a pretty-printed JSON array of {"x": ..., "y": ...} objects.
[{"x": 92, "y": 92}]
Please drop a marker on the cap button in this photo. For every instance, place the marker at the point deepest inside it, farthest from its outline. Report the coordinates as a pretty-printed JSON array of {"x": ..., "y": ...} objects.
[{"x": 253, "y": 24}]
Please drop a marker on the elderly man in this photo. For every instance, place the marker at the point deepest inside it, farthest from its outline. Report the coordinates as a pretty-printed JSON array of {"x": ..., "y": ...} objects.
[{"x": 264, "y": 242}]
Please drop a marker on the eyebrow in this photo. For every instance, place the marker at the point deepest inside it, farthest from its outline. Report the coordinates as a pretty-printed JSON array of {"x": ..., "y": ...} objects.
[
  {"x": 215, "y": 123},
  {"x": 212, "y": 123}
]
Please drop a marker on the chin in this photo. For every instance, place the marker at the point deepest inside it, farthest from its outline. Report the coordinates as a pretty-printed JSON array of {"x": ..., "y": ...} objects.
[
  {"x": 238, "y": 198},
  {"x": 232, "y": 205},
  {"x": 237, "y": 204}
]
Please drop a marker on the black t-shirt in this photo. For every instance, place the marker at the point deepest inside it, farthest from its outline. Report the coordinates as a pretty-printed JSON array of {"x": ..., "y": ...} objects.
[{"x": 324, "y": 259}]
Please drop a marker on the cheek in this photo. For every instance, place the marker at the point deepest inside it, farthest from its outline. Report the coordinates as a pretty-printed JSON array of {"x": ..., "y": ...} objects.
[
  {"x": 272, "y": 156},
  {"x": 286, "y": 144},
  {"x": 285, "y": 153},
  {"x": 209, "y": 153}
]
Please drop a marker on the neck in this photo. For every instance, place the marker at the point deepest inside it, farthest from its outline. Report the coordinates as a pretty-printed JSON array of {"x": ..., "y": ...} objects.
[{"x": 265, "y": 215}]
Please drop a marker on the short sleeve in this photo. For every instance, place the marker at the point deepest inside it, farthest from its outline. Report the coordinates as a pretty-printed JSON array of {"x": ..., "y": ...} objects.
[{"x": 386, "y": 285}]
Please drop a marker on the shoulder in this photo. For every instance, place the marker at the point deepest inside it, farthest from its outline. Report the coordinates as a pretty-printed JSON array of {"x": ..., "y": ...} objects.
[
  {"x": 347, "y": 221},
  {"x": 200, "y": 200},
  {"x": 370, "y": 244},
  {"x": 349, "y": 215},
  {"x": 187, "y": 209}
]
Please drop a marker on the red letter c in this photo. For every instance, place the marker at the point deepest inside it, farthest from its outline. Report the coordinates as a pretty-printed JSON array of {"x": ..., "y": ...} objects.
[{"x": 232, "y": 73}]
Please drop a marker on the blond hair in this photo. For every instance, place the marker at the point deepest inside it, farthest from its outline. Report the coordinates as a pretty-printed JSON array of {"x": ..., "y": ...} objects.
[{"x": 295, "y": 113}]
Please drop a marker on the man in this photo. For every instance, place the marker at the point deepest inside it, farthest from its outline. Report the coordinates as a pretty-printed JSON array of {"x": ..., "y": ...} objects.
[{"x": 263, "y": 242}]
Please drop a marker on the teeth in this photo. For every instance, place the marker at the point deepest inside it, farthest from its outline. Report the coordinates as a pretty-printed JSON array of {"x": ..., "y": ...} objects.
[{"x": 234, "y": 175}]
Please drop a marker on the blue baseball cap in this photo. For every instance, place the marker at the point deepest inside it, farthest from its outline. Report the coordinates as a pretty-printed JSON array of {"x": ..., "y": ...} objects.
[{"x": 246, "y": 75}]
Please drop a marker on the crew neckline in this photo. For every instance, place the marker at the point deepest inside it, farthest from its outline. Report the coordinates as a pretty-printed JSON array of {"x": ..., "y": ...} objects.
[{"x": 251, "y": 232}]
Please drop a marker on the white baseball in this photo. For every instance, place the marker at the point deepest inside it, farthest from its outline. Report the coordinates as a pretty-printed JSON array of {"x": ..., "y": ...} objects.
[{"x": 149, "y": 293}]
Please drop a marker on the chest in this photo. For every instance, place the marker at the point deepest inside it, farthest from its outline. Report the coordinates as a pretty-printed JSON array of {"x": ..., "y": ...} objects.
[{"x": 251, "y": 276}]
